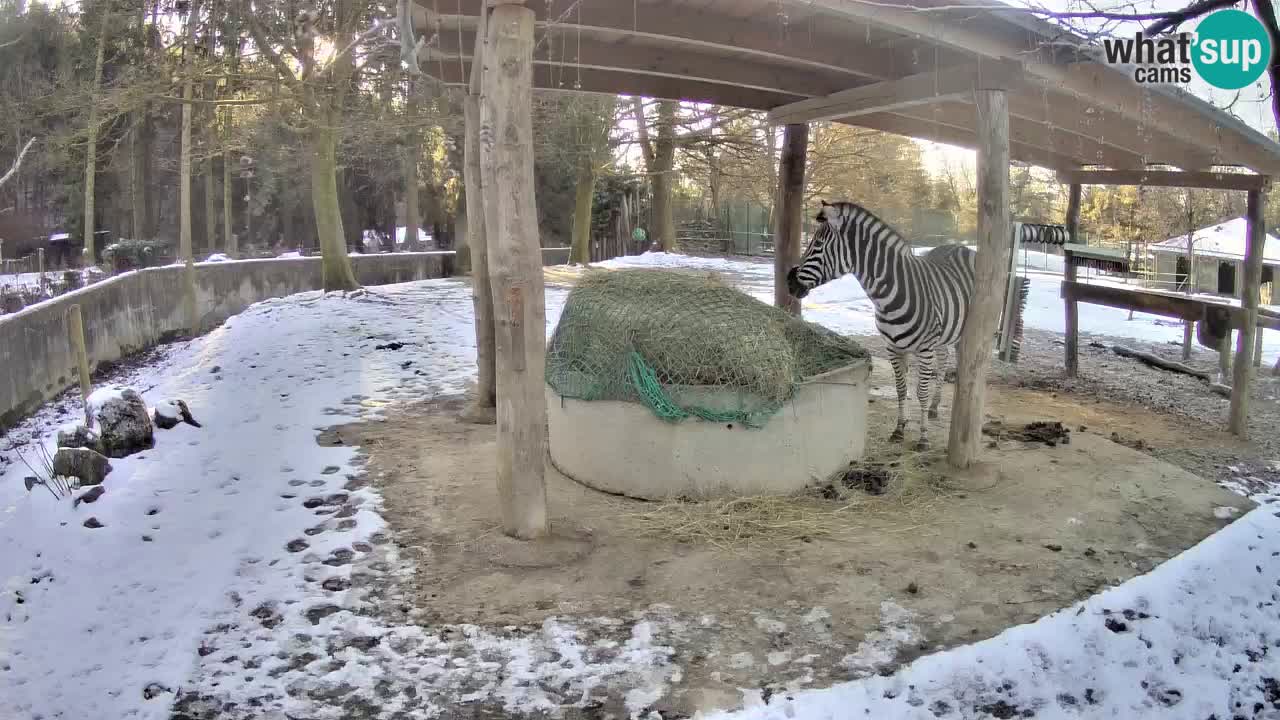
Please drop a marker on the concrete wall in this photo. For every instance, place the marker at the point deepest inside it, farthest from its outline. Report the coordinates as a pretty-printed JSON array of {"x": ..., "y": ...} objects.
[
  {"x": 136, "y": 310},
  {"x": 625, "y": 449}
]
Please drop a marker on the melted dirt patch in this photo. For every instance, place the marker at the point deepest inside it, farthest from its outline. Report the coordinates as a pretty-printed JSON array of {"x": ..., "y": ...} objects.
[{"x": 1034, "y": 529}]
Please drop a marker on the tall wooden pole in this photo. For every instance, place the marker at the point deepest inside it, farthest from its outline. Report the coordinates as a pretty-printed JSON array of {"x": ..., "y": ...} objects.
[
  {"x": 1072, "y": 327},
  {"x": 973, "y": 356},
  {"x": 482, "y": 406},
  {"x": 515, "y": 265},
  {"x": 789, "y": 225},
  {"x": 1243, "y": 370}
]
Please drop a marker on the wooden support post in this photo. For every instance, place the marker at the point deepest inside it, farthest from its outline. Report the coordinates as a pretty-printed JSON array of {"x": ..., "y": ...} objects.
[
  {"x": 75, "y": 328},
  {"x": 1072, "y": 327},
  {"x": 515, "y": 264},
  {"x": 1224, "y": 359},
  {"x": 973, "y": 356},
  {"x": 1257, "y": 349},
  {"x": 40, "y": 266},
  {"x": 1243, "y": 380},
  {"x": 789, "y": 226},
  {"x": 482, "y": 405}
]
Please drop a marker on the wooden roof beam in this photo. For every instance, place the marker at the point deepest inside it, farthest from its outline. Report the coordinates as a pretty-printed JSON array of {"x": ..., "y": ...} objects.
[
  {"x": 569, "y": 78},
  {"x": 696, "y": 30},
  {"x": 1179, "y": 115},
  {"x": 1166, "y": 178},
  {"x": 1083, "y": 150},
  {"x": 950, "y": 84},
  {"x": 642, "y": 59},
  {"x": 915, "y": 127},
  {"x": 1109, "y": 129}
]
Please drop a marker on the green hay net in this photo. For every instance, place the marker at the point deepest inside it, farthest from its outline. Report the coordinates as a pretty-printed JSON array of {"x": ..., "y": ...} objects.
[{"x": 686, "y": 345}]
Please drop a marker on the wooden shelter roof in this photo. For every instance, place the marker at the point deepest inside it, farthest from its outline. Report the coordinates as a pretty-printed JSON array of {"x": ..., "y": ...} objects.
[{"x": 902, "y": 66}]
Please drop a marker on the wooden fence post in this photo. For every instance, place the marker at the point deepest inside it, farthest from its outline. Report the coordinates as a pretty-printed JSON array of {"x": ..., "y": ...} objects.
[
  {"x": 515, "y": 264},
  {"x": 75, "y": 328},
  {"x": 789, "y": 226},
  {"x": 1072, "y": 327},
  {"x": 1240, "y": 385},
  {"x": 40, "y": 263},
  {"x": 973, "y": 356}
]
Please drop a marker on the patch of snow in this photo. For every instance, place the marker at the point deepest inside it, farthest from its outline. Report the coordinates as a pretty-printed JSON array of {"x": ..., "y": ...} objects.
[
  {"x": 1188, "y": 640},
  {"x": 290, "y": 254},
  {"x": 881, "y": 646},
  {"x": 103, "y": 395},
  {"x": 168, "y": 409},
  {"x": 1225, "y": 512}
]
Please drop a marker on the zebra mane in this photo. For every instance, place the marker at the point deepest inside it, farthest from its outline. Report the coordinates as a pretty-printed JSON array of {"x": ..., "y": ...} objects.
[{"x": 894, "y": 239}]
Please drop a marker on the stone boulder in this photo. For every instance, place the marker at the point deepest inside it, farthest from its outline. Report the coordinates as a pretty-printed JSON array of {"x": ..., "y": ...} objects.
[
  {"x": 171, "y": 412},
  {"x": 79, "y": 436},
  {"x": 88, "y": 466},
  {"x": 122, "y": 421}
]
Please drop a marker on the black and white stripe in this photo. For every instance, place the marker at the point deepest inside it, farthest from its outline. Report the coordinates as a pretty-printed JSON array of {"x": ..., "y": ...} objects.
[{"x": 921, "y": 301}]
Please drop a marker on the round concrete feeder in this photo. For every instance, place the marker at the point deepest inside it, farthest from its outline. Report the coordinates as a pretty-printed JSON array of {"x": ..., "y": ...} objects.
[{"x": 623, "y": 448}]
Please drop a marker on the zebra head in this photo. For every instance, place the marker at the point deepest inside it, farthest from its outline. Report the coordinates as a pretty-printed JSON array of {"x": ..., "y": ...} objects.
[{"x": 822, "y": 260}]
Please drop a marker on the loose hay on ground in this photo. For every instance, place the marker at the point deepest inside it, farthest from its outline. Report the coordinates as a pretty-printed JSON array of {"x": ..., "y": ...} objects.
[{"x": 910, "y": 492}]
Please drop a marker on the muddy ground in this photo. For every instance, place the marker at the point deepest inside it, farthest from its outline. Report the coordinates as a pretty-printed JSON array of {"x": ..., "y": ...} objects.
[{"x": 1034, "y": 530}]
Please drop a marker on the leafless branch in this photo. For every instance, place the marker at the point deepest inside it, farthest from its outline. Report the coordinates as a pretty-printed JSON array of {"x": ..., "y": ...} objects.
[{"x": 17, "y": 163}]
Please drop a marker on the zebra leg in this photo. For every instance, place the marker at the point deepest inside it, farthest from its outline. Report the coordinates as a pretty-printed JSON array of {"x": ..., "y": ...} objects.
[
  {"x": 926, "y": 365},
  {"x": 939, "y": 372},
  {"x": 899, "y": 362}
]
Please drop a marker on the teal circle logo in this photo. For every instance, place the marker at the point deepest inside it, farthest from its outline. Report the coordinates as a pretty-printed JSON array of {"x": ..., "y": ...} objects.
[{"x": 1232, "y": 49}]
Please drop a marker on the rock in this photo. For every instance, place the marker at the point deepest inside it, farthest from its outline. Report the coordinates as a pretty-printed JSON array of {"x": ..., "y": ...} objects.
[
  {"x": 122, "y": 420},
  {"x": 90, "y": 466},
  {"x": 93, "y": 524},
  {"x": 171, "y": 412},
  {"x": 79, "y": 436},
  {"x": 91, "y": 496}
]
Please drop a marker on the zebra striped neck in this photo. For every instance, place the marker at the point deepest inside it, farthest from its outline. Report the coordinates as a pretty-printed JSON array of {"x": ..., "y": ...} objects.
[{"x": 875, "y": 255}]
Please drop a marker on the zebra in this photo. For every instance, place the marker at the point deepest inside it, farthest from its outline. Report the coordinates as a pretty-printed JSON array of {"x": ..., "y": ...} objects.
[{"x": 921, "y": 301}]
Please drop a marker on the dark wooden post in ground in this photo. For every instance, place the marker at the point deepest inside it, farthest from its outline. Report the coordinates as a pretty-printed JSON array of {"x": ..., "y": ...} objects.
[
  {"x": 973, "y": 357},
  {"x": 1243, "y": 378},
  {"x": 515, "y": 266},
  {"x": 790, "y": 222},
  {"x": 1072, "y": 327},
  {"x": 482, "y": 405}
]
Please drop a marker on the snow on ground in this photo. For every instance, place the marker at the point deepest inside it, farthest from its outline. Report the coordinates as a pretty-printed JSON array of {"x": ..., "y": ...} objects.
[
  {"x": 842, "y": 305},
  {"x": 222, "y": 568},
  {"x": 1196, "y": 638}
]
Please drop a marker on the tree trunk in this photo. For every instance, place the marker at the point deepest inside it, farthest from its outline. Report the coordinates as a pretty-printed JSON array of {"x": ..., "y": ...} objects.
[
  {"x": 516, "y": 264},
  {"x": 580, "y": 247},
  {"x": 336, "y": 265},
  {"x": 1188, "y": 326},
  {"x": 788, "y": 241},
  {"x": 137, "y": 171},
  {"x": 91, "y": 144},
  {"x": 1072, "y": 308},
  {"x": 483, "y": 405},
  {"x": 228, "y": 228},
  {"x": 664, "y": 177},
  {"x": 413, "y": 154},
  {"x": 1250, "y": 282},
  {"x": 184, "y": 175},
  {"x": 973, "y": 355}
]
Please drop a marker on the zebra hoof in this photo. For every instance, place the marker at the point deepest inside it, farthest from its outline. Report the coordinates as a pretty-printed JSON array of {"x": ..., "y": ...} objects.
[
  {"x": 897, "y": 436},
  {"x": 933, "y": 413}
]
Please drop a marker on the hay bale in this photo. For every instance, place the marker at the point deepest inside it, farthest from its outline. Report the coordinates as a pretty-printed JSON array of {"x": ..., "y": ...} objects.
[{"x": 647, "y": 335}]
